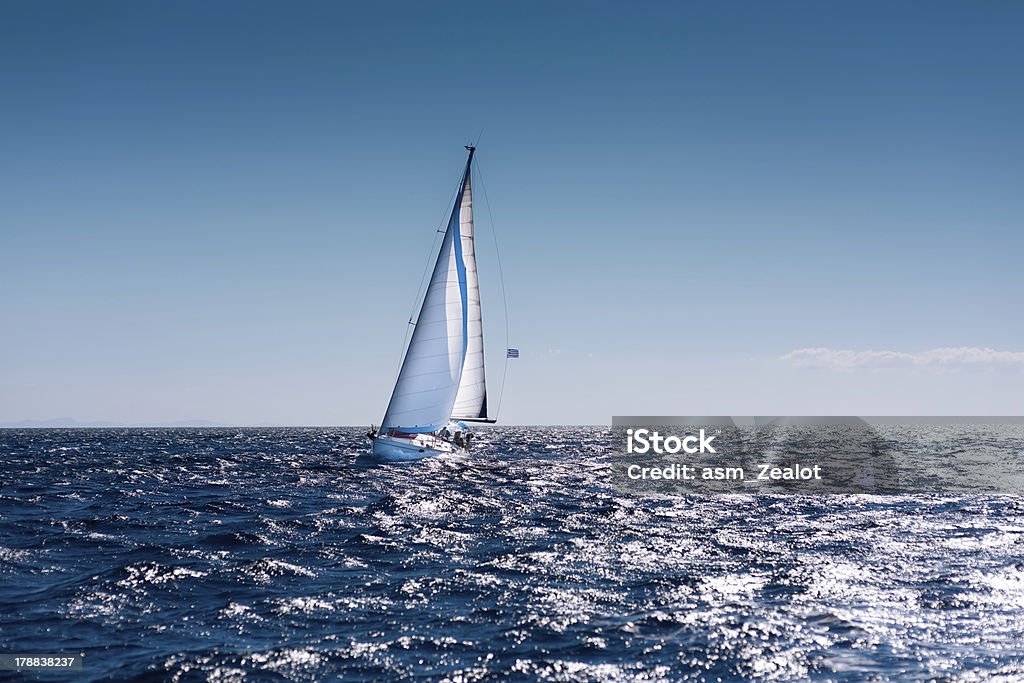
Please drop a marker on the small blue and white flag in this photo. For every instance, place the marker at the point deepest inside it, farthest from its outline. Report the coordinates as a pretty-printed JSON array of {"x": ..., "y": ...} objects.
[{"x": 512, "y": 353}]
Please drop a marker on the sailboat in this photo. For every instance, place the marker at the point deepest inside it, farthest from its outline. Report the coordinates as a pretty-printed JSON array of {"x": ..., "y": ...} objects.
[{"x": 442, "y": 385}]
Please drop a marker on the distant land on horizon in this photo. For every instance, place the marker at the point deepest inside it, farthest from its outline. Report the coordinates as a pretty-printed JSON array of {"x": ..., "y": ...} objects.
[{"x": 72, "y": 422}]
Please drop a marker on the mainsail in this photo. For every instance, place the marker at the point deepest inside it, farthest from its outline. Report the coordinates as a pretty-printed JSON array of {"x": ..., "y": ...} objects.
[
  {"x": 471, "y": 400},
  {"x": 443, "y": 371}
]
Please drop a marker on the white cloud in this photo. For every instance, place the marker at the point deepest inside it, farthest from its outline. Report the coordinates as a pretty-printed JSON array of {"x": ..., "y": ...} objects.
[{"x": 843, "y": 359}]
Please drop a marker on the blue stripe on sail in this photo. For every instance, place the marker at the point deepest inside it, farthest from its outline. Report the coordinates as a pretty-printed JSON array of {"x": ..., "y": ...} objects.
[{"x": 460, "y": 265}]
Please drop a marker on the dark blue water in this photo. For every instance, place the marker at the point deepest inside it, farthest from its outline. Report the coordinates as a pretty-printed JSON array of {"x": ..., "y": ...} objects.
[{"x": 287, "y": 554}]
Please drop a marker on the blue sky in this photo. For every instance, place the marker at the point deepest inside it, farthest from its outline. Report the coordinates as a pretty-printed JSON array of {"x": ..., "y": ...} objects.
[{"x": 222, "y": 210}]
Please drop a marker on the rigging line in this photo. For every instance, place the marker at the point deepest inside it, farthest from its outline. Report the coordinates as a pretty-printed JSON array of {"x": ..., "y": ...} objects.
[
  {"x": 431, "y": 257},
  {"x": 501, "y": 278}
]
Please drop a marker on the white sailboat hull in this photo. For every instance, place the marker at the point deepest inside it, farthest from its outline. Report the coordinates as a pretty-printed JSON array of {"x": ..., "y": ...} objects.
[{"x": 415, "y": 448}]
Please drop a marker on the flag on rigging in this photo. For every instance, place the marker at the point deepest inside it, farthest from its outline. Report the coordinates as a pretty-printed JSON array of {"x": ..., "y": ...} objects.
[{"x": 512, "y": 353}]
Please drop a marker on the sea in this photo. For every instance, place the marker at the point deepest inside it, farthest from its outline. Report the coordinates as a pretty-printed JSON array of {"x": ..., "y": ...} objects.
[{"x": 293, "y": 555}]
